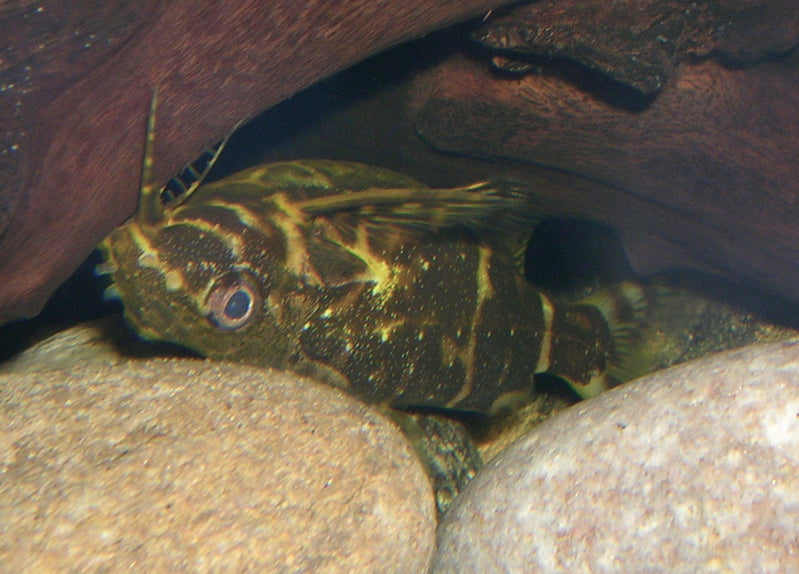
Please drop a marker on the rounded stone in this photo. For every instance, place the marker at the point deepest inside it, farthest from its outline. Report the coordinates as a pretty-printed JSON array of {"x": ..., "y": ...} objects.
[
  {"x": 169, "y": 465},
  {"x": 691, "y": 469},
  {"x": 106, "y": 341}
]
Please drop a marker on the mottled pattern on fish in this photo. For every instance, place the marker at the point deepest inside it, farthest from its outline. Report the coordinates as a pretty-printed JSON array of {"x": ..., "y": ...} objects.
[{"x": 361, "y": 277}]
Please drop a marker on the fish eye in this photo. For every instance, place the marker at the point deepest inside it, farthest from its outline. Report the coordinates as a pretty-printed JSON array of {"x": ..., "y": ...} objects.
[{"x": 233, "y": 302}]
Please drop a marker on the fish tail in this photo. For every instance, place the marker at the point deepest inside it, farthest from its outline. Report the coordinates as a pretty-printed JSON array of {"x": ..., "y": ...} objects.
[
  {"x": 595, "y": 340},
  {"x": 625, "y": 307}
]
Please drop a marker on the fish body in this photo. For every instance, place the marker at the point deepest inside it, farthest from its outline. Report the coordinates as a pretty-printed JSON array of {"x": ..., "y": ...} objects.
[{"x": 399, "y": 294}]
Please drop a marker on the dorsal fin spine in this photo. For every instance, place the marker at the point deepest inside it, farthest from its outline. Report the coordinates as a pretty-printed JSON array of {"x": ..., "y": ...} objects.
[
  {"x": 151, "y": 210},
  {"x": 151, "y": 202}
]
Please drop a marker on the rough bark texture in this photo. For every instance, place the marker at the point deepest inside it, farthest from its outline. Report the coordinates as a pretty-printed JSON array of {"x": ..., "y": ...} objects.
[
  {"x": 76, "y": 79},
  {"x": 639, "y": 42}
]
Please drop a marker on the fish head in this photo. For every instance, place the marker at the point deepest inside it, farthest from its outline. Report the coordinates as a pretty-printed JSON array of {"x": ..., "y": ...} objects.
[{"x": 207, "y": 281}]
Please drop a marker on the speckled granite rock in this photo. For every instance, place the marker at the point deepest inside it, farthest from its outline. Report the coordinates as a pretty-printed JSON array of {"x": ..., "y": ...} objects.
[
  {"x": 189, "y": 466},
  {"x": 691, "y": 469}
]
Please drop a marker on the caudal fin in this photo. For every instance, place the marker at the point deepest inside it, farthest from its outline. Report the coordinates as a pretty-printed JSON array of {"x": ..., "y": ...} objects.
[
  {"x": 594, "y": 341},
  {"x": 625, "y": 307}
]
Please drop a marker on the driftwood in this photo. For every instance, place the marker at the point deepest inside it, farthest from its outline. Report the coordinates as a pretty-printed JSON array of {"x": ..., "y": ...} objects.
[
  {"x": 682, "y": 136},
  {"x": 698, "y": 166}
]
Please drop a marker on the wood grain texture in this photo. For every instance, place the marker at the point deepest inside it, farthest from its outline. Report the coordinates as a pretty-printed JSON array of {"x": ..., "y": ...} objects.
[{"x": 705, "y": 176}]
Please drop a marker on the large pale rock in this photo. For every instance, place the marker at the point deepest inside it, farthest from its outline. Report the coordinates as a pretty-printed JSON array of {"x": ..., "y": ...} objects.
[
  {"x": 691, "y": 469},
  {"x": 191, "y": 466},
  {"x": 107, "y": 341}
]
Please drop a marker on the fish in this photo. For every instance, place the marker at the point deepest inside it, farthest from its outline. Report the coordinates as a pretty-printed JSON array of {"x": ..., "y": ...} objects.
[
  {"x": 366, "y": 279},
  {"x": 404, "y": 296}
]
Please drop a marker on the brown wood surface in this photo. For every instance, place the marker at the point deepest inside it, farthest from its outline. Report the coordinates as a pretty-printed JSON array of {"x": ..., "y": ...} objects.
[
  {"x": 639, "y": 42},
  {"x": 706, "y": 176}
]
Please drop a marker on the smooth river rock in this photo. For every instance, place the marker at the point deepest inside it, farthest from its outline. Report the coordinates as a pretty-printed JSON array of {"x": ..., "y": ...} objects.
[
  {"x": 692, "y": 469},
  {"x": 169, "y": 465}
]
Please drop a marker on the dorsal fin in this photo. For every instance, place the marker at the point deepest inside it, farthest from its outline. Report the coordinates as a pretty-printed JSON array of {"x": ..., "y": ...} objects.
[
  {"x": 180, "y": 187},
  {"x": 481, "y": 208}
]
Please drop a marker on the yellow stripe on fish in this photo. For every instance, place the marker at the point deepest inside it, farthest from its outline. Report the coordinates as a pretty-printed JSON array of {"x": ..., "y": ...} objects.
[{"x": 362, "y": 277}]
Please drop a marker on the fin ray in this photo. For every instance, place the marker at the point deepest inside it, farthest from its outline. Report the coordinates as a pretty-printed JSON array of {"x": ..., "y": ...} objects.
[
  {"x": 151, "y": 210},
  {"x": 179, "y": 188},
  {"x": 481, "y": 208},
  {"x": 625, "y": 307}
]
